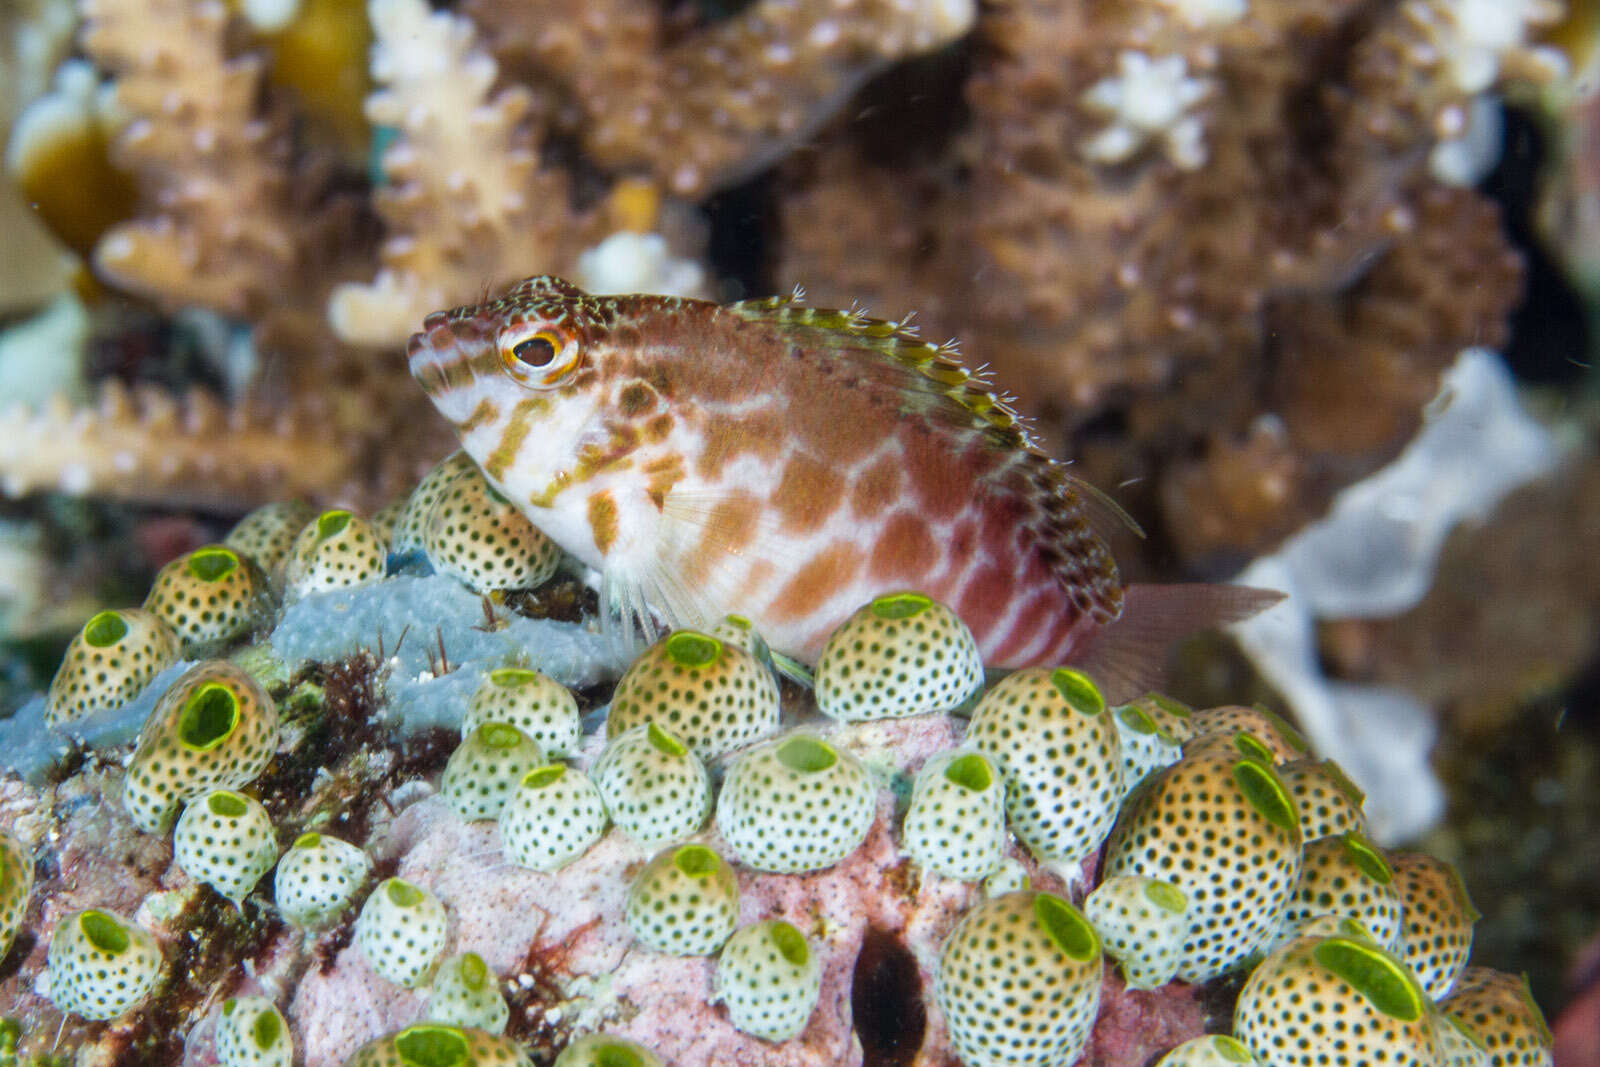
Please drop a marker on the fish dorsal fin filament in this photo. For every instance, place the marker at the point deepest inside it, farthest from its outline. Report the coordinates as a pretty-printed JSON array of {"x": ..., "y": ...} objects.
[{"x": 931, "y": 373}]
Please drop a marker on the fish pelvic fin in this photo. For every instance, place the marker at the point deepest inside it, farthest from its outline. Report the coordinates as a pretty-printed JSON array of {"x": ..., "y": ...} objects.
[{"x": 1129, "y": 657}]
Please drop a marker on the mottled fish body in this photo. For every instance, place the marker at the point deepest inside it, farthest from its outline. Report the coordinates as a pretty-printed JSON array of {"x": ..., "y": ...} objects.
[{"x": 778, "y": 461}]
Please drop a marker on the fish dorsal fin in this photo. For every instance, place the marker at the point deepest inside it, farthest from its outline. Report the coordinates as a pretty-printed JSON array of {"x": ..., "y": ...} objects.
[
  {"x": 929, "y": 380},
  {"x": 955, "y": 395},
  {"x": 1103, "y": 509}
]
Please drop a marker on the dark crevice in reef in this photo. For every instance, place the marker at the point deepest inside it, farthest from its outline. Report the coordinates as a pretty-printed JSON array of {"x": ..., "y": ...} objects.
[
  {"x": 563, "y": 599},
  {"x": 886, "y": 1001},
  {"x": 20, "y": 948},
  {"x": 1218, "y": 998},
  {"x": 1550, "y": 340},
  {"x": 742, "y": 220},
  {"x": 344, "y": 728}
]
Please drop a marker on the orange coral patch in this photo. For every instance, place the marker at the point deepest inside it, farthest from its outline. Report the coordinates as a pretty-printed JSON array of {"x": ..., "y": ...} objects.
[
  {"x": 729, "y": 529},
  {"x": 761, "y": 433},
  {"x": 905, "y": 550},
  {"x": 943, "y": 484},
  {"x": 486, "y": 411},
  {"x": 603, "y": 520},
  {"x": 984, "y": 599},
  {"x": 815, "y": 582},
  {"x": 808, "y": 493},
  {"x": 876, "y": 488}
]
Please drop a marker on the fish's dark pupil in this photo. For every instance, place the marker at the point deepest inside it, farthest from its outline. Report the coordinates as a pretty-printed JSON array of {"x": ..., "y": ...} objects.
[{"x": 535, "y": 351}]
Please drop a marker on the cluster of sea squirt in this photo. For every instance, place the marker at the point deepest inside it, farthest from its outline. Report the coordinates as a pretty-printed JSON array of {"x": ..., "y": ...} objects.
[{"x": 1223, "y": 846}]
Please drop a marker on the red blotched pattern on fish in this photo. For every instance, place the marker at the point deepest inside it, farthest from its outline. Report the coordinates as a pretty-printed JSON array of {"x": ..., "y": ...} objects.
[{"x": 782, "y": 462}]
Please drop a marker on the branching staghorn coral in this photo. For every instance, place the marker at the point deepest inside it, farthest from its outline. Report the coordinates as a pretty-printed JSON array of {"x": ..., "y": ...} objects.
[
  {"x": 211, "y": 162},
  {"x": 1261, "y": 328},
  {"x": 145, "y": 445},
  {"x": 233, "y": 215},
  {"x": 1024, "y": 192},
  {"x": 467, "y": 203},
  {"x": 727, "y": 99}
]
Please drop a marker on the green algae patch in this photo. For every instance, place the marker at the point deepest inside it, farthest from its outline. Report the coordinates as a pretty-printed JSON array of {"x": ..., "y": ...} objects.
[
  {"x": 474, "y": 972},
  {"x": 1381, "y": 979},
  {"x": 1166, "y": 896},
  {"x": 1251, "y": 747},
  {"x": 1077, "y": 690},
  {"x": 500, "y": 735},
  {"x": 616, "y": 1056},
  {"x": 1290, "y": 735},
  {"x": 104, "y": 932},
  {"x": 1266, "y": 793},
  {"x": 212, "y": 564},
  {"x": 1066, "y": 927},
  {"x": 227, "y": 805},
  {"x": 895, "y": 606},
  {"x": 432, "y": 1046},
  {"x": 1136, "y": 719},
  {"x": 105, "y": 630},
  {"x": 1367, "y": 858},
  {"x": 697, "y": 861},
  {"x": 267, "y": 1030},
  {"x": 403, "y": 894},
  {"x": 790, "y": 943},
  {"x": 663, "y": 742},
  {"x": 1231, "y": 1050},
  {"x": 806, "y": 755},
  {"x": 688, "y": 648},
  {"x": 210, "y": 718},
  {"x": 332, "y": 524},
  {"x": 971, "y": 771},
  {"x": 540, "y": 777}
]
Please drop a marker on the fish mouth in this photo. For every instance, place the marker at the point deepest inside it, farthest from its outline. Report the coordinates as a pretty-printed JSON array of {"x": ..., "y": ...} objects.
[
  {"x": 431, "y": 347},
  {"x": 447, "y": 359}
]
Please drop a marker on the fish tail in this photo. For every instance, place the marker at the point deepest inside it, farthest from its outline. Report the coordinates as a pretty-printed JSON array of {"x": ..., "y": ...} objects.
[{"x": 1128, "y": 658}]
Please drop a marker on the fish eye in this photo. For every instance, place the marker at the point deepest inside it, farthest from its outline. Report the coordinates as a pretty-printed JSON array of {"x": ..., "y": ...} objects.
[
  {"x": 536, "y": 351},
  {"x": 537, "y": 355}
]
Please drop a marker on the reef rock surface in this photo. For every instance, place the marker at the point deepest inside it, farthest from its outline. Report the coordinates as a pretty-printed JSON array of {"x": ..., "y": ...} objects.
[{"x": 567, "y": 961}]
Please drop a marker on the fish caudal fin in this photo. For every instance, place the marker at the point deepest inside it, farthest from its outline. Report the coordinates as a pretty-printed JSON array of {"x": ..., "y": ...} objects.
[{"x": 1128, "y": 658}]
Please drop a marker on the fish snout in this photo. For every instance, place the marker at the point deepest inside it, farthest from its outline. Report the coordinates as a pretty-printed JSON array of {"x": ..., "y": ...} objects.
[
  {"x": 434, "y": 345},
  {"x": 435, "y": 357}
]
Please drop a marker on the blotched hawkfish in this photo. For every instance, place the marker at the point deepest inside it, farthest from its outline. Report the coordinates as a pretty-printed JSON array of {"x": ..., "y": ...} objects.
[{"x": 788, "y": 464}]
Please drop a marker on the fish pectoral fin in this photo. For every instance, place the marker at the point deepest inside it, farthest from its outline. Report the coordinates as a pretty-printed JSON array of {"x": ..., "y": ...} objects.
[
  {"x": 716, "y": 541},
  {"x": 1104, "y": 511},
  {"x": 626, "y": 615},
  {"x": 681, "y": 574},
  {"x": 1129, "y": 657}
]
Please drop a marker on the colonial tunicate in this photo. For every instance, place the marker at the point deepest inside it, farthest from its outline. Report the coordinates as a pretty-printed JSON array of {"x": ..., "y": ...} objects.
[{"x": 796, "y": 804}]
